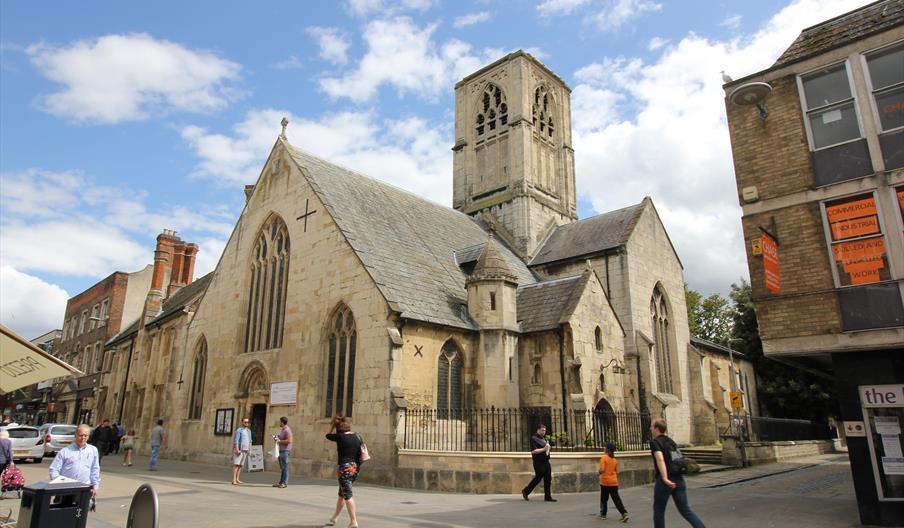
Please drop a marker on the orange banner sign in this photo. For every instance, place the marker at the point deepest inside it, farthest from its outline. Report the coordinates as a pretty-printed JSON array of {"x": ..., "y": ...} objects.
[
  {"x": 901, "y": 200},
  {"x": 771, "y": 271},
  {"x": 855, "y": 228},
  {"x": 851, "y": 209},
  {"x": 862, "y": 260}
]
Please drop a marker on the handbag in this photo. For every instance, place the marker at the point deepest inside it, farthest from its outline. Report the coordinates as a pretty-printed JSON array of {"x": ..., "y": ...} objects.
[
  {"x": 275, "y": 451},
  {"x": 365, "y": 454}
]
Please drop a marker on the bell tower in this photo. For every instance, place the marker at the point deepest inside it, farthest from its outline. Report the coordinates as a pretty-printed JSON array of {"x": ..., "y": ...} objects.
[{"x": 513, "y": 160}]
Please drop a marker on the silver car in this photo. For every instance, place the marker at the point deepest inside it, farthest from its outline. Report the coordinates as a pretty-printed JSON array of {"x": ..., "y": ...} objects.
[
  {"x": 56, "y": 437},
  {"x": 27, "y": 443}
]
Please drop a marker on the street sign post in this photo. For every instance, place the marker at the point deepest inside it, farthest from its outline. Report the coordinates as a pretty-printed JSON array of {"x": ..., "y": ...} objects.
[{"x": 737, "y": 402}]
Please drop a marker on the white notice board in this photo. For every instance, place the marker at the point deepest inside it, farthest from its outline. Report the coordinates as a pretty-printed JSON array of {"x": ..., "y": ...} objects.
[
  {"x": 256, "y": 458},
  {"x": 283, "y": 393}
]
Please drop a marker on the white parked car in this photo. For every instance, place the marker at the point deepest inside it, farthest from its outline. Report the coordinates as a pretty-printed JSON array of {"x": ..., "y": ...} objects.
[
  {"x": 56, "y": 437},
  {"x": 27, "y": 443}
]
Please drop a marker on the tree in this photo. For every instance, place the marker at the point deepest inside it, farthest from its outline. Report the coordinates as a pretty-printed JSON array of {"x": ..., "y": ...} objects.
[
  {"x": 692, "y": 298},
  {"x": 709, "y": 318},
  {"x": 783, "y": 391}
]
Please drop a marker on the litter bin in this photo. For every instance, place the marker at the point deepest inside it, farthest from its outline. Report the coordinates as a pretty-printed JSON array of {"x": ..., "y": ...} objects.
[{"x": 60, "y": 505}]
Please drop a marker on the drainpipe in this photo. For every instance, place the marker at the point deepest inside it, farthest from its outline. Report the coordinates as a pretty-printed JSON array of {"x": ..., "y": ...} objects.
[
  {"x": 125, "y": 381},
  {"x": 560, "y": 331}
]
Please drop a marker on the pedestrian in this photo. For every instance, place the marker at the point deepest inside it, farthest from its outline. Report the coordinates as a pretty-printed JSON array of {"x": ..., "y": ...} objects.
[
  {"x": 669, "y": 483},
  {"x": 6, "y": 451},
  {"x": 284, "y": 443},
  {"x": 348, "y": 445},
  {"x": 241, "y": 445},
  {"x": 103, "y": 438},
  {"x": 542, "y": 469},
  {"x": 158, "y": 440},
  {"x": 79, "y": 461},
  {"x": 128, "y": 446},
  {"x": 609, "y": 483},
  {"x": 117, "y": 438}
]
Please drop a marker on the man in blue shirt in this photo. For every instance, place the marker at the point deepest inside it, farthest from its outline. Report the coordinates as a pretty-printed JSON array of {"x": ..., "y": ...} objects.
[
  {"x": 241, "y": 445},
  {"x": 78, "y": 461}
]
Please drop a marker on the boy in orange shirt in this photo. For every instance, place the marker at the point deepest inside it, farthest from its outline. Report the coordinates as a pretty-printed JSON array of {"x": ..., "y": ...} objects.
[{"x": 609, "y": 483}]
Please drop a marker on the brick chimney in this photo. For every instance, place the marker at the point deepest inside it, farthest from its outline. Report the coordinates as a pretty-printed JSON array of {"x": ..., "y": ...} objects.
[
  {"x": 163, "y": 259},
  {"x": 183, "y": 269}
]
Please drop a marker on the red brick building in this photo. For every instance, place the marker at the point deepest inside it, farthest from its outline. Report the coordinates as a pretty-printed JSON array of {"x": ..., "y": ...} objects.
[{"x": 818, "y": 145}]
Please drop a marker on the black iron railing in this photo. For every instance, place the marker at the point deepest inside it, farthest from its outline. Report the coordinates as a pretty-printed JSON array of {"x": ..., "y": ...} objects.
[
  {"x": 763, "y": 429},
  {"x": 510, "y": 429}
]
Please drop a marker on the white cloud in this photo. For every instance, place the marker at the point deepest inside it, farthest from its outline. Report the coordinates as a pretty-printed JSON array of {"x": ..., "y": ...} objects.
[
  {"x": 132, "y": 77},
  {"x": 28, "y": 305},
  {"x": 290, "y": 63},
  {"x": 619, "y": 12},
  {"x": 732, "y": 22},
  {"x": 549, "y": 8},
  {"x": 675, "y": 145},
  {"x": 656, "y": 43},
  {"x": 470, "y": 19},
  {"x": 332, "y": 42},
  {"x": 409, "y": 153},
  {"x": 403, "y": 55}
]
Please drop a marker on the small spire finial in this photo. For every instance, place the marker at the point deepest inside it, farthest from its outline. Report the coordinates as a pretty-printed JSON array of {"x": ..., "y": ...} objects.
[{"x": 284, "y": 123}]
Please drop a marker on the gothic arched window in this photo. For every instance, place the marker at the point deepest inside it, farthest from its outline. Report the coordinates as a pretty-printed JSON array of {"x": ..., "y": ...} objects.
[
  {"x": 598, "y": 339},
  {"x": 659, "y": 314},
  {"x": 493, "y": 110},
  {"x": 340, "y": 369},
  {"x": 199, "y": 370},
  {"x": 448, "y": 381},
  {"x": 537, "y": 376},
  {"x": 542, "y": 113},
  {"x": 269, "y": 281}
]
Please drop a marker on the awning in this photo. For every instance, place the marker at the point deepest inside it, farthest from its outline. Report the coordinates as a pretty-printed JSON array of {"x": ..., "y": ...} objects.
[{"x": 23, "y": 364}]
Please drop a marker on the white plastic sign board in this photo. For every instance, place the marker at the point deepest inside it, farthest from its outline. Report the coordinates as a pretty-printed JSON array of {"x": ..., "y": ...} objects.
[
  {"x": 283, "y": 393},
  {"x": 852, "y": 429},
  {"x": 256, "y": 458},
  {"x": 887, "y": 425}
]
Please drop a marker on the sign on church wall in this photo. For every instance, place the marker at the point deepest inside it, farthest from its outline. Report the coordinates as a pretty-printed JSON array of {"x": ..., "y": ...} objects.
[{"x": 283, "y": 393}]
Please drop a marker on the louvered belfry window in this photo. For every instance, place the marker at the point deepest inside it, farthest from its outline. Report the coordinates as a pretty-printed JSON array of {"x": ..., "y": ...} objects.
[
  {"x": 269, "y": 281},
  {"x": 448, "y": 382},
  {"x": 493, "y": 111},
  {"x": 340, "y": 372}
]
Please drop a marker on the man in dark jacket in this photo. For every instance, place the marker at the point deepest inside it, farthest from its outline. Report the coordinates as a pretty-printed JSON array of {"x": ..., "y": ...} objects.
[
  {"x": 103, "y": 438},
  {"x": 539, "y": 451}
]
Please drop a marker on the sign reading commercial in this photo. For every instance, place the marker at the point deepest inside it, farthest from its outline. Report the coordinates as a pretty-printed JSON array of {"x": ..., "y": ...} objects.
[
  {"x": 771, "y": 270},
  {"x": 858, "y": 246}
]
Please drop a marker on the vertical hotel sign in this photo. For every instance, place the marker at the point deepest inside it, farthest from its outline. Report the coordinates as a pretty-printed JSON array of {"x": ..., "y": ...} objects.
[{"x": 770, "y": 264}]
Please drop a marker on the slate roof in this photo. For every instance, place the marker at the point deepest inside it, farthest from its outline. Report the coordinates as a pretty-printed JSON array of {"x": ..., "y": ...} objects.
[
  {"x": 715, "y": 347},
  {"x": 406, "y": 243},
  {"x": 492, "y": 264},
  {"x": 171, "y": 306},
  {"x": 844, "y": 29},
  {"x": 545, "y": 305},
  {"x": 592, "y": 235}
]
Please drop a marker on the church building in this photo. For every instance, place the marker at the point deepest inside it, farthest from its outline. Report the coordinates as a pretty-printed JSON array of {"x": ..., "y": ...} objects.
[{"x": 340, "y": 294}]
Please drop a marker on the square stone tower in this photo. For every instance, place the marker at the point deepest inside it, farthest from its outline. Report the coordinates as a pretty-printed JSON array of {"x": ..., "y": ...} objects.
[{"x": 514, "y": 162}]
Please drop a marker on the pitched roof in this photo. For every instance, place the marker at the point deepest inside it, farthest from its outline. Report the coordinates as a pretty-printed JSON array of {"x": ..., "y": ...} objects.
[
  {"x": 592, "y": 235},
  {"x": 546, "y": 305},
  {"x": 171, "y": 306},
  {"x": 844, "y": 29},
  {"x": 492, "y": 264},
  {"x": 715, "y": 347},
  {"x": 406, "y": 243}
]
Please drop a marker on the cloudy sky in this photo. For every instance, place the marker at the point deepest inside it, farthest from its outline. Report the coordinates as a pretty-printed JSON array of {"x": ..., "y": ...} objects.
[{"x": 118, "y": 120}]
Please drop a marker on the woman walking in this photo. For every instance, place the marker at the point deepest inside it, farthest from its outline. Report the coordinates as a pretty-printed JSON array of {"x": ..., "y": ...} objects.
[
  {"x": 127, "y": 444},
  {"x": 348, "y": 445},
  {"x": 609, "y": 483}
]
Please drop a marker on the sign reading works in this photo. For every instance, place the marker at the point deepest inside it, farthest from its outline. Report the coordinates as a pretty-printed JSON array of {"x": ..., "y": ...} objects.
[
  {"x": 858, "y": 246},
  {"x": 772, "y": 275}
]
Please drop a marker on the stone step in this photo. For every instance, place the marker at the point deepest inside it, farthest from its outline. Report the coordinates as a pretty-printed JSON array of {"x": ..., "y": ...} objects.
[{"x": 710, "y": 468}]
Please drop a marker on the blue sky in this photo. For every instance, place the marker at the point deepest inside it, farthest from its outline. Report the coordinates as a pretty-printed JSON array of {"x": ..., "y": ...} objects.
[{"x": 118, "y": 120}]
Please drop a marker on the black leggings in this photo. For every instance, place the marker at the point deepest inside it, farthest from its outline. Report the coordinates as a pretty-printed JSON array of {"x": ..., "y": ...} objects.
[{"x": 605, "y": 492}]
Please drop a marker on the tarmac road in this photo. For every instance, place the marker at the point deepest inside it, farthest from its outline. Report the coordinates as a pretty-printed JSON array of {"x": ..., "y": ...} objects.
[{"x": 812, "y": 492}]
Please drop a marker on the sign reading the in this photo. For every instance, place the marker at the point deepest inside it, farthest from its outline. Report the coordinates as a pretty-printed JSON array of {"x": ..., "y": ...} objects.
[
  {"x": 770, "y": 264},
  {"x": 283, "y": 393},
  {"x": 872, "y": 396}
]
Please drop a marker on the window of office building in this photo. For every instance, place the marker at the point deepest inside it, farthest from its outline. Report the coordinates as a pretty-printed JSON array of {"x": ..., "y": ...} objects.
[
  {"x": 886, "y": 76},
  {"x": 830, "y": 108}
]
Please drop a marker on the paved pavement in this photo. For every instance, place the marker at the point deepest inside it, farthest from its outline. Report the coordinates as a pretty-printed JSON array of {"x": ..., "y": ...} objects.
[{"x": 812, "y": 492}]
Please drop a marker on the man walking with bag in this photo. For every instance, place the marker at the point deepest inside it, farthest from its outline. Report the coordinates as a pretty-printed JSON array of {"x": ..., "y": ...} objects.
[
  {"x": 241, "y": 445},
  {"x": 542, "y": 469},
  {"x": 669, "y": 480}
]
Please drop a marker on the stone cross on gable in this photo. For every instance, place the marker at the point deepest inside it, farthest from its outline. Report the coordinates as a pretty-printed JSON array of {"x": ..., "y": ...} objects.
[{"x": 306, "y": 214}]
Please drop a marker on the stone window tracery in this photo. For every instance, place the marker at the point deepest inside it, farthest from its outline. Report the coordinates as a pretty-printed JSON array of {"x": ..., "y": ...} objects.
[
  {"x": 340, "y": 371},
  {"x": 661, "y": 334},
  {"x": 448, "y": 381},
  {"x": 493, "y": 111},
  {"x": 199, "y": 371},
  {"x": 544, "y": 126},
  {"x": 269, "y": 281}
]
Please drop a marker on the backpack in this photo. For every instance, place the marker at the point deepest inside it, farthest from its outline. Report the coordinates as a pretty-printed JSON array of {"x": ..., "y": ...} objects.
[{"x": 675, "y": 463}]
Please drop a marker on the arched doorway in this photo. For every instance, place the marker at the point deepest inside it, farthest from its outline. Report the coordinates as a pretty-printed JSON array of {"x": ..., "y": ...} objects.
[
  {"x": 252, "y": 400},
  {"x": 605, "y": 423}
]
